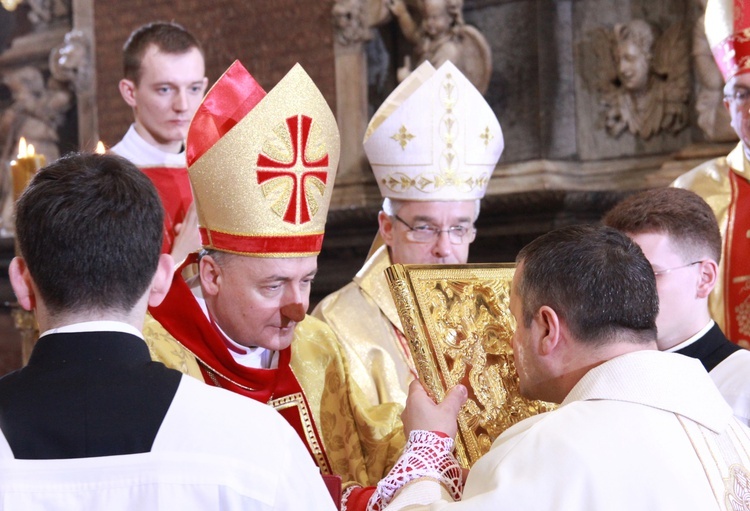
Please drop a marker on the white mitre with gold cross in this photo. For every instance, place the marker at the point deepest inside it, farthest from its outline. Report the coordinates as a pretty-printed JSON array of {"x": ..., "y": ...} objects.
[{"x": 434, "y": 139}]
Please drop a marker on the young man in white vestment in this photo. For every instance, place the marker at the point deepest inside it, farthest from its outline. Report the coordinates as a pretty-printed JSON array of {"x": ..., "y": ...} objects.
[
  {"x": 91, "y": 422},
  {"x": 636, "y": 428}
]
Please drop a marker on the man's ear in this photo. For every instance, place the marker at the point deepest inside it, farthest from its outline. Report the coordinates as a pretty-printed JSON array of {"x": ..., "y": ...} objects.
[
  {"x": 162, "y": 280},
  {"x": 548, "y": 322},
  {"x": 709, "y": 274},
  {"x": 210, "y": 275},
  {"x": 20, "y": 281},
  {"x": 127, "y": 91},
  {"x": 385, "y": 228}
]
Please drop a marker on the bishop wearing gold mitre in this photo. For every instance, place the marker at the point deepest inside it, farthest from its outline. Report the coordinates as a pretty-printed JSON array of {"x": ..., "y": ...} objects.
[
  {"x": 262, "y": 168},
  {"x": 725, "y": 182}
]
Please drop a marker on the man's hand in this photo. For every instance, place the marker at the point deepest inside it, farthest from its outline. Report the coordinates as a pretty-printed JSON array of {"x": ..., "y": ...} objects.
[
  {"x": 188, "y": 237},
  {"x": 421, "y": 412}
]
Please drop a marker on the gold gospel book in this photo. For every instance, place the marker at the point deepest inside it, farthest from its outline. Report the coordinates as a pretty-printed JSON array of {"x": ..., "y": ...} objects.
[{"x": 457, "y": 321}]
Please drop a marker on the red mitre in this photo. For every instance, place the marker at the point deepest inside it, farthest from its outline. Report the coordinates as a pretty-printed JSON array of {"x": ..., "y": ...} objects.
[{"x": 727, "y": 26}]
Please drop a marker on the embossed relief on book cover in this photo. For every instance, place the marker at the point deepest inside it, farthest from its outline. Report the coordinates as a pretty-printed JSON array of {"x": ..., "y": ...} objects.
[{"x": 457, "y": 321}]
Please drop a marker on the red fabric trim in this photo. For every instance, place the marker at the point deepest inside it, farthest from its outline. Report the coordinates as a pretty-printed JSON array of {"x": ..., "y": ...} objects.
[
  {"x": 736, "y": 261},
  {"x": 358, "y": 498},
  {"x": 231, "y": 98},
  {"x": 181, "y": 315},
  {"x": 732, "y": 55},
  {"x": 303, "y": 244},
  {"x": 270, "y": 169},
  {"x": 173, "y": 186}
]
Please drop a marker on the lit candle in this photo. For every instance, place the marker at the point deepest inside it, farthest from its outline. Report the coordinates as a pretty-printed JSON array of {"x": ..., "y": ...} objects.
[
  {"x": 24, "y": 167},
  {"x": 100, "y": 149}
]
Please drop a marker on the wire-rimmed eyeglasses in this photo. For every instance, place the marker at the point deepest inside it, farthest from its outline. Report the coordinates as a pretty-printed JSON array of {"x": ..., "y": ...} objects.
[
  {"x": 663, "y": 272},
  {"x": 457, "y": 234}
]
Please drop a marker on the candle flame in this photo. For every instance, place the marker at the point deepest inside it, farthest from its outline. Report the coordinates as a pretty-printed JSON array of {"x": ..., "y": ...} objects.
[
  {"x": 100, "y": 149},
  {"x": 22, "y": 148},
  {"x": 30, "y": 151}
]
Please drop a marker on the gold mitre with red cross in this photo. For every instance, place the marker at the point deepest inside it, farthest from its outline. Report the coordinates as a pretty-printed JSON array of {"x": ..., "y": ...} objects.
[
  {"x": 434, "y": 138},
  {"x": 262, "y": 166},
  {"x": 727, "y": 24}
]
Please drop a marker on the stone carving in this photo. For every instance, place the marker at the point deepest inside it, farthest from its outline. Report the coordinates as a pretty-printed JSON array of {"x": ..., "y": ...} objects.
[
  {"x": 713, "y": 117},
  {"x": 71, "y": 61},
  {"x": 45, "y": 13},
  {"x": 643, "y": 78},
  {"x": 438, "y": 32},
  {"x": 37, "y": 111},
  {"x": 350, "y": 22}
]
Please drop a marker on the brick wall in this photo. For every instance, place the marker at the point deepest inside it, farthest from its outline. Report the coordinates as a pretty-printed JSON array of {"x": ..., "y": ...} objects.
[{"x": 267, "y": 36}]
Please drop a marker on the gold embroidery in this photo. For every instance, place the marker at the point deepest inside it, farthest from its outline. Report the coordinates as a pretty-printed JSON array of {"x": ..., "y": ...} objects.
[
  {"x": 213, "y": 373},
  {"x": 737, "y": 485},
  {"x": 486, "y": 136},
  {"x": 297, "y": 400},
  {"x": 459, "y": 328},
  {"x": 431, "y": 182},
  {"x": 403, "y": 137}
]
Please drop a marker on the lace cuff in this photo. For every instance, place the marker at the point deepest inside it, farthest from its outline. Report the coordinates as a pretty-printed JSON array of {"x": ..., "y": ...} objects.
[{"x": 426, "y": 455}]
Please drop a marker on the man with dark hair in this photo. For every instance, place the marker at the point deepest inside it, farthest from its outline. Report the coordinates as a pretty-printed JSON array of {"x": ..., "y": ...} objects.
[
  {"x": 91, "y": 422},
  {"x": 164, "y": 82},
  {"x": 678, "y": 233},
  {"x": 585, "y": 303}
]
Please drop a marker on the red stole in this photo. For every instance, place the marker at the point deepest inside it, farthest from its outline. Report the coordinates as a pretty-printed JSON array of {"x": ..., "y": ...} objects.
[
  {"x": 173, "y": 186},
  {"x": 737, "y": 262},
  {"x": 181, "y": 315}
]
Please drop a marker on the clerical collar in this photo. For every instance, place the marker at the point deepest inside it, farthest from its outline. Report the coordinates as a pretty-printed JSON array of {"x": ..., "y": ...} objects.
[
  {"x": 95, "y": 326},
  {"x": 691, "y": 340}
]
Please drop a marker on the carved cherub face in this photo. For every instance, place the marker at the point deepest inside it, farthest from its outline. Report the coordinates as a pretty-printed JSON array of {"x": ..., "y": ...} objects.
[
  {"x": 436, "y": 20},
  {"x": 632, "y": 66}
]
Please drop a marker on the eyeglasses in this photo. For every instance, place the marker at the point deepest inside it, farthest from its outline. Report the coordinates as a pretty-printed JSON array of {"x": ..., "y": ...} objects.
[
  {"x": 662, "y": 272},
  {"x": 457, "y": 234},
  {"x": 740, "y": 96}
]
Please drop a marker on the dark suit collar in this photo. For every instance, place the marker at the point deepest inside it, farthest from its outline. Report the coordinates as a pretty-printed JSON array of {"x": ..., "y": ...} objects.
[
  {"x": 111, "y": 348},
  {"x": 711, "y": 349}
]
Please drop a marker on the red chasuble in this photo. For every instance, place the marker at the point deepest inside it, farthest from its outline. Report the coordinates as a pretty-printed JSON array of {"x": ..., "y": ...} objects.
[
  {"x": 737, "y": 262},
  {"x": 181, "y": 315},
  {"x": 173, "y": 186}
]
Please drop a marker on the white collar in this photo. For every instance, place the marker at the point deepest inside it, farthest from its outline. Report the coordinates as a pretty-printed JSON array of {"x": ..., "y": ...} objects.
[
  {"x": 141, "y": 153},
  {"x": 95, "y": 326},
  {"x": 691, "y": 340}
]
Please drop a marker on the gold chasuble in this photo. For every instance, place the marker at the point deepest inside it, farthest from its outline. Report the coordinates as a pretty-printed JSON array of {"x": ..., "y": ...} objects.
[{"x": 311, "y": 388}]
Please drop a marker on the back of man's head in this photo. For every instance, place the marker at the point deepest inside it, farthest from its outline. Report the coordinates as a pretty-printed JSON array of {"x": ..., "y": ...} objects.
[
  {"x": 90, "y": 228},
  {"x": 676, "y": 212},
  {"x": 596, "y": 279},
  {"x": 168, "y": 37}
]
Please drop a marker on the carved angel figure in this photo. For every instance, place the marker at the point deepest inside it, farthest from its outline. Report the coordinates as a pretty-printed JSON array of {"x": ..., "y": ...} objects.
[
  {"x": 643, "y": 78},
  {"x": 438, "y": 32}
]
